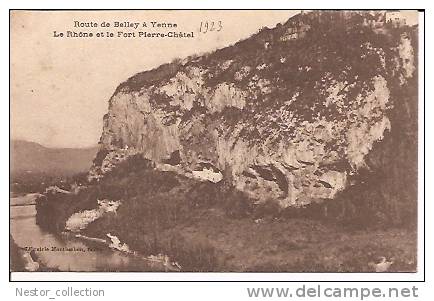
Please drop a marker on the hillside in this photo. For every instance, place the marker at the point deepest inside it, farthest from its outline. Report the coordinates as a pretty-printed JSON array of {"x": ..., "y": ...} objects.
[
  {"x": 290, "y": 114},
  {"x": 30, "y": 157},
  {"x": 300, "y": 138}
]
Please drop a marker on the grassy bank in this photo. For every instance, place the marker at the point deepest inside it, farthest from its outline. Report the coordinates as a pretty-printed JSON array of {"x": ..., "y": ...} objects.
[{"x": 211, "y": 227}]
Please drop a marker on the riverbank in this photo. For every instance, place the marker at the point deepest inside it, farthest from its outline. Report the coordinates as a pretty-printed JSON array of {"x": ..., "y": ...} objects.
[
  {"x": 36, "y": 249},
  {"x": 209, "y": 227},
  {"x": 23, "y": 261},
  {"x": 16, "y": 260}
]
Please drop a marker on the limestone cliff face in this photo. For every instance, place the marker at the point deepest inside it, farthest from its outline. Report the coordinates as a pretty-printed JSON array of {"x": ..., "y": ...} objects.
[{"x": 288, "y": 119}]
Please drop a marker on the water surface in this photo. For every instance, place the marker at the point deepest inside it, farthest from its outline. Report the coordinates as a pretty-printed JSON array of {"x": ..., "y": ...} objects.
[{"x": 65, "y": 252}]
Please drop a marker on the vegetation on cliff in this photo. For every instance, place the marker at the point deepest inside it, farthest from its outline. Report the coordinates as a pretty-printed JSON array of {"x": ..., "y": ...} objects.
[
  {"x": 213, "y": 227},
  {"x": 314, "y": 138}
]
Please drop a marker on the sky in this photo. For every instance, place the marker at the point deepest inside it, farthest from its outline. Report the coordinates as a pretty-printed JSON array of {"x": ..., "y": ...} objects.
[{"x": 60, "y": 87}]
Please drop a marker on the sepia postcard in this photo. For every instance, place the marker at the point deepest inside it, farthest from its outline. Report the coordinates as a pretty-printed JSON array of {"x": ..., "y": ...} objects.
[{"x": 247, "y": 141}]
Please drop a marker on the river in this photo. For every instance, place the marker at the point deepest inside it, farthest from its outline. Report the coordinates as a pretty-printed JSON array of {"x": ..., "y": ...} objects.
[{"x": 66, "y": 252}]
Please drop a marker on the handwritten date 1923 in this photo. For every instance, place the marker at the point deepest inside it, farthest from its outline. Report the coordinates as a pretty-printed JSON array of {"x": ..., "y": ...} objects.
[{"x": 208, "y": 26}]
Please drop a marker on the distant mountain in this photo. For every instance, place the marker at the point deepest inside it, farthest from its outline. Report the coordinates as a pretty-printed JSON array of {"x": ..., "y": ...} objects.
[{"x": 31, "y": 157}]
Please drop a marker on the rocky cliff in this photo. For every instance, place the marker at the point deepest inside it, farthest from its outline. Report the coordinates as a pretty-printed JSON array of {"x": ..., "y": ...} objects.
[{"x": 291, "y": 114}]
